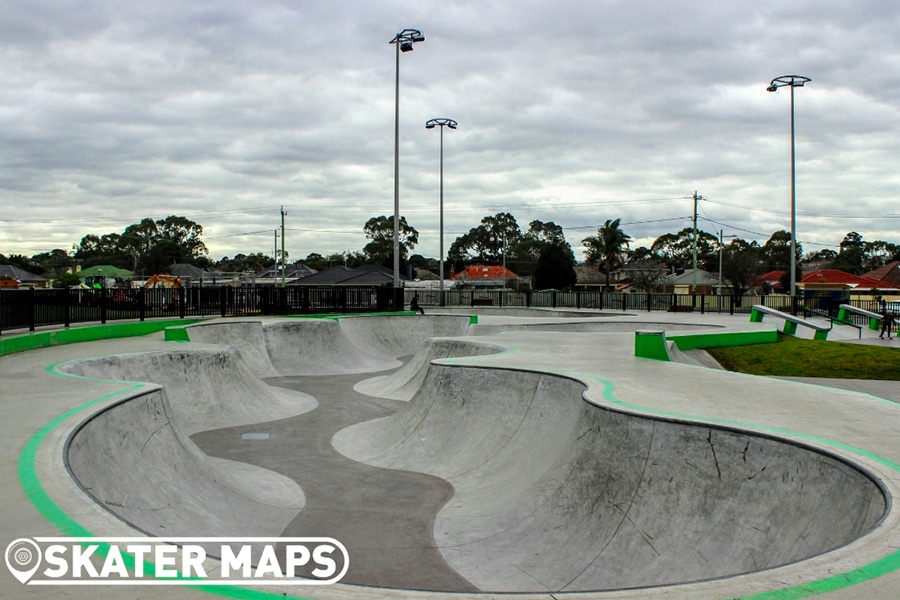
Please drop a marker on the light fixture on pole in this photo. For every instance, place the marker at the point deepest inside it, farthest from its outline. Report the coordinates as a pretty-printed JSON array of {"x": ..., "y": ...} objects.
[
  {"x": 791, "y": 81},
  {"x": 452, "y": 125},
  {"x": 404, "y": 43}
]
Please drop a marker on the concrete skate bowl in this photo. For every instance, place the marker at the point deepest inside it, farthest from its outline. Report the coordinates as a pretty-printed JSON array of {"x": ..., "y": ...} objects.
[
  {"x": 553, "y": 493},
  {"x": 136, "y": 457},
  {"x": 362, "y": 344}
]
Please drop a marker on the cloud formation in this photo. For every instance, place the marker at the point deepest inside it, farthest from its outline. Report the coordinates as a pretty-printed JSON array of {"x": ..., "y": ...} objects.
[{"x": 571, "y": 112}]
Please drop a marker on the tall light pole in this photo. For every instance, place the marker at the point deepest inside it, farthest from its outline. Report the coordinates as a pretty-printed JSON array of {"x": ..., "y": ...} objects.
[
  {"x": 722, "y": 247},
  {"x": 403, "y": 42},
  {"x": 452, "y": 125},
  {"x": 791, "y": 81}
]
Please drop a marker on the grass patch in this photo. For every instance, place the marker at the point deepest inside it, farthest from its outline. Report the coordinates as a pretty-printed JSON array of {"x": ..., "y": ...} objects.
[{"x": 795, "y": 357}]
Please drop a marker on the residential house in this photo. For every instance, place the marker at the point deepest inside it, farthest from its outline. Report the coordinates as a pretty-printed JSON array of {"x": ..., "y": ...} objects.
[
  {"x": 292, "y": 274},
  {"x": 889, "y": 274},
  {"x": 768, "y": 283},
  {"x": 342, "y": 276},
  {"x": 700, "y": 282},
  {"x": 486, "y": 277},
  {"x": 23, "y": 277},
  {"x": 840, "y": 285}
]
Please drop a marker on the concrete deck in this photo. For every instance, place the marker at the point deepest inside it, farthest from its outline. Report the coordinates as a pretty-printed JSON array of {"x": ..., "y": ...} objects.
[{"x": 525, "y": 456}]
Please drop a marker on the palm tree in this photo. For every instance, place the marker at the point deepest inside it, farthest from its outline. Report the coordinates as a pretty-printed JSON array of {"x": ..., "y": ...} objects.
[{"x": 607, "y": 246}]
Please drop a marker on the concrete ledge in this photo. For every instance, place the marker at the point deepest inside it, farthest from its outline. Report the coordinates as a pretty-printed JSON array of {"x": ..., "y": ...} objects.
[
  {"x": 790, "y": 321},
  {"x": 844, "y": 316},
  {"x": 651, "y": 344},
  {"x": 90, "y": 333}
]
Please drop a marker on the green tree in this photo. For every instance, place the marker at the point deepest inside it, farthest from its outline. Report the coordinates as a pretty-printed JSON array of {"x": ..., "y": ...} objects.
[
  {"x": 380, "y": 230},
  {"x": 146, "y": 246},
  {"x": 608, "y": 247},
  {"x": 677, "y": 249},
  {"x": 852, "y": 254},
  {"x": 533, "y": 242},
  {"x": 65, "y": 280},
  {"x": 18, "y": 260},
  {"x": 54, "y": 262},
  {"x": 740, "y": 264},
  {"x": 486, "y": 244},
  {"x": 245, "y": 263},
  {"x": 880, "y": 253},
  {"x": 555, "y": 268},
  {"x": 775, "y": 254}
]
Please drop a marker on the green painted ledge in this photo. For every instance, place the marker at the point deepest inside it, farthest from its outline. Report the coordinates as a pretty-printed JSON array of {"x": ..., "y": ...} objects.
[
  {"x": 695, "y": 341},
  {"x": 89, "y": 333},
  {"x": 652, "y": 344}
]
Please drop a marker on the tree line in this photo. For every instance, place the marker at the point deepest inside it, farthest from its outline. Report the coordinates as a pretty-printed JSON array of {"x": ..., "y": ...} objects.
[{"x": 540, "y": 252}]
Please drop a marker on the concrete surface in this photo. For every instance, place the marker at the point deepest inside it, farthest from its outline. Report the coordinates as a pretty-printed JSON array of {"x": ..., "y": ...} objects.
[{"x": 663, "y": 472}]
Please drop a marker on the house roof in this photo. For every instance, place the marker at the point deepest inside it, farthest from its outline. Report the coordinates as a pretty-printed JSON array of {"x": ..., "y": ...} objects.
[
  {"x": 14, "y": 272},
  {"x": 476, "y": 272},
  {"x": 836, "y": 277},
  {"x": 687, "y": 278},
  {"x": 297, "y": 270},
  {"x": 889, "y": 273},
  {"x": 104, "y": 271},
  {"x": 426, "y": 275},
  {"x": 362, "y": 275},
  {"x": 773, "y": 278}
]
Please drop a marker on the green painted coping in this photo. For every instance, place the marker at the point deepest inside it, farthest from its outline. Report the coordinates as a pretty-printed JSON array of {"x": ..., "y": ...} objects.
[{"x": 90, "y": 333}]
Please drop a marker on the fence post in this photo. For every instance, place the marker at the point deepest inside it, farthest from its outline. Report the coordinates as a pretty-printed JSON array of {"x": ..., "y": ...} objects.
[
  {"x": 181, "y": 303},
  {"x": 103, "y": 300},
  {"x": 223, "y": 293},
  {"x": 142, "y": 303},
  {"x": 32, "y": 297},
  {"x": 67, "y": 304}
]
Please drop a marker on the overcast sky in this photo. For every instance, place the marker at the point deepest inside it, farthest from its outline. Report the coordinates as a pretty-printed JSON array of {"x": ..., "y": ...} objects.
[{"x": 571, "y": 111}]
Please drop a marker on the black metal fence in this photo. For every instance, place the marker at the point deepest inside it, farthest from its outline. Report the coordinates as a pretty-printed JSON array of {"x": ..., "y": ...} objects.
[{"x": 28, "y": 309}]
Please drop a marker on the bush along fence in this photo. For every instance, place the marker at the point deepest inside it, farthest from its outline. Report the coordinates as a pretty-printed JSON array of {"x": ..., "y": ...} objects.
[{"x": 29, "y": 309}]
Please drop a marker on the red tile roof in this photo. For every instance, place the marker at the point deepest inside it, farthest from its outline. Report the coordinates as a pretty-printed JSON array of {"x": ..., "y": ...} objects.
[
  {"x": 889, "y": 273},
  {"x": 838, "y": 277},
  {"x": 484, "y": 272},
  {"x": 773, "y": 278}
]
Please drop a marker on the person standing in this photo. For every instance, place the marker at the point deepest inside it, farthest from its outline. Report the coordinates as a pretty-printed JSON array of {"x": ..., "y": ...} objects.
[{"x": 887, "y": 323}]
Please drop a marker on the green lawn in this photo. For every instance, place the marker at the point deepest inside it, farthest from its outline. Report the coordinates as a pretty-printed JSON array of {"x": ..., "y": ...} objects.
[{"x": 793, "y": 357}]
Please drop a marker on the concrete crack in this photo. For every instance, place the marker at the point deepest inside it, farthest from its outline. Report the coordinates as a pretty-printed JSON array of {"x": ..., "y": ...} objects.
[{"x": 715, "y": 458}]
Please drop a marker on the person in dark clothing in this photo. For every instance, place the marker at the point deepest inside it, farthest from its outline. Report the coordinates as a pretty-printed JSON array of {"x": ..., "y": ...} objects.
[
  {"x": 887, "y": 323},
  {"x": 414, "y": 305}
]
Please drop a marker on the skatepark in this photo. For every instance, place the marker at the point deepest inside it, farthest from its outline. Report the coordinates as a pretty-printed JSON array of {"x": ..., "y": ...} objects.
[{"x": 522, "y": 454}]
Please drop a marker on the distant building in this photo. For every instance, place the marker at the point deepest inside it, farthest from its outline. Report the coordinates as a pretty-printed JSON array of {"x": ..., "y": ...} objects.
[
  {"x": 293, "y": 273},
  {"x": 192, "y": 275},
  {"x": 339, "y": 276},
  {"x": 889, "y": 274},
  {"x": 768, "y": 282},
  {"x": 24, "y": 278},
  {"x": 485, "y": 277},
  {"x": 835, "y": 280},
  {"x": 684, "y": 283}
]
